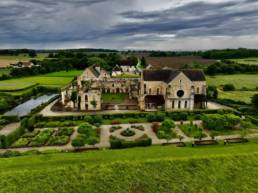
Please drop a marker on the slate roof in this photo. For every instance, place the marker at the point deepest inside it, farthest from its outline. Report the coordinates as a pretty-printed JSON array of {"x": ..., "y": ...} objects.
[
  {"x": 117, "y": 68},
  {"x": 168, "y": 75},
  {"x": 94, "y": 71}
]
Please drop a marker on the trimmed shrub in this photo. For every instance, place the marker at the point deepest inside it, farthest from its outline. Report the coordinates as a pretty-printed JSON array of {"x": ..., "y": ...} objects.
[
  {"x": 155, "y": 117},
  {"x": 78, "y": 142},
  {"x": 119, "y": 143},
  {"x": 220, "y": 122},
  {"x": 229, "y": 87}
]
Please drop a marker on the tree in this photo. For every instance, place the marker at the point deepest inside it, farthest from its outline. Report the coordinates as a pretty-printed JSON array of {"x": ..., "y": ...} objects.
[
  {"x": 32, "y": 53},
  {"x": 212, "y": 92},
  {"x": 143, "y": 62},
  {"x": 229, "y": 87},
  {"x": 255, "y": 101},
  {"x": 74, "y": 97},
  {"x": 93, "y": 103}
]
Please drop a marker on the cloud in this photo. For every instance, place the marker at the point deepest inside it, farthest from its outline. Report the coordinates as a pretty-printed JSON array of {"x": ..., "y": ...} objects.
[{"x": 177, "y": 24}]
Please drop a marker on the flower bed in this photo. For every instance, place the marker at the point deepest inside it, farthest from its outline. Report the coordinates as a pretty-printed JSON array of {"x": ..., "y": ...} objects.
[
  {"x": 114, "y": 128},
  {"x": 165, "y": 130},
  {"x": 192, "y": 130},
  {"x": 22, "y": 142},
  {"x": 38, "y": 138},
  {"x": 61, "y": 136},
  {"x": 127, "y": 133},
  {"x": 138, "y": 127},
  {"x": 87, "y": 135},
  {"x": 42, "y": 138}
]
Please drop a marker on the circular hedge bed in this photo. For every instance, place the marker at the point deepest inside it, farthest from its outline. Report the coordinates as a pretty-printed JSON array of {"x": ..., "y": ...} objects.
[{"x": 127, "y": 133}]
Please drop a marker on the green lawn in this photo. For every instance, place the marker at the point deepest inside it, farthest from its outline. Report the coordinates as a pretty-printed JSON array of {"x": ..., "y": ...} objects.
[
  {"x": 71, "y": 73},
  {"x": 250, "y": 61},
  {"x": 156, "y": 169},
  {"x": 57, "y": 79},
  {"x": 244, "y": 96},
  {"x": 114, "y": 98},
  {"x": 127, "y": 76},
  {"x": 239, "y": 80}
]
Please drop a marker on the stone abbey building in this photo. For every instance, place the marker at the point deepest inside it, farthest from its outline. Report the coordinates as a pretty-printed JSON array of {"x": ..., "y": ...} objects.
[{"x": 165, "y": 89}]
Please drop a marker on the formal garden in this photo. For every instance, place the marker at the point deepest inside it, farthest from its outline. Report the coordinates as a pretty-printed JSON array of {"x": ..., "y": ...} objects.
[{"x": 128, "y": 130}]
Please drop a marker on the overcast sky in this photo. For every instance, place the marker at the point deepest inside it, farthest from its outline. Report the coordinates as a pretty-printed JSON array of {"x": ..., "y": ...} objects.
[{"x": 129, "y": 24}]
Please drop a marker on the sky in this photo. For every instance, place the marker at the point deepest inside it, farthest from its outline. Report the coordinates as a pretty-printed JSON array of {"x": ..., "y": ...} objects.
[{"x": 129, "y": 24}]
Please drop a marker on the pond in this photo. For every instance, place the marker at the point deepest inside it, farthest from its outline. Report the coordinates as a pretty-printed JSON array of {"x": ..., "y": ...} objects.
[{"x": 26, "y": 107}]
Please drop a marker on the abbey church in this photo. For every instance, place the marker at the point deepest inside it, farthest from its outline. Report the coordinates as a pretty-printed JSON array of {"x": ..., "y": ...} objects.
[{"x": 164, "y": 89}]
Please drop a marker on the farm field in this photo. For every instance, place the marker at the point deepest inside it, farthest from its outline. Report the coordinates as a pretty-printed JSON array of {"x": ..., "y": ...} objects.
[
  {"x": 250, "y": 61},
  {"x": 176, "y": 62},
  {"x": 152, "y": 169},
  {"x": 58, "y": 79},
  {"x": 249, "y": 81},
  {"x": 244, "y": 96},
  {"x": 5, "y": 60}
]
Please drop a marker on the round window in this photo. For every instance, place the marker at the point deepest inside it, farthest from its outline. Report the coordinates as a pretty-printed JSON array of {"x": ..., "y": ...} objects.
[{"x": 180, "y": 93}]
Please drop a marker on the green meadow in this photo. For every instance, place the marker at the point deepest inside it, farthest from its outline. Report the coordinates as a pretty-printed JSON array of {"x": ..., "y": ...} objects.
[
  {"x": 244, "y": 96},
  {"x": 238, "y": 80},
  {"x": 57, "y": 79},
  {"x": 250, "y": 61},
  {"x": 231, "y": 168}
]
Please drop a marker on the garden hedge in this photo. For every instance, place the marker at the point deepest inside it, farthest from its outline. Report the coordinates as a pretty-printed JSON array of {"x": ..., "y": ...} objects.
[
  {"x": 6, "y": 141},
  {"x": 116, "y": 143}
]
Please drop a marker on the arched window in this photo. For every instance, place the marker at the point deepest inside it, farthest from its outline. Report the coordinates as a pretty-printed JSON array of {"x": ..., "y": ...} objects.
[
  {"x": 173, "y": 104},
  {"x": 150, "y": 91},
  {"x": 185, "y": 104},
  {"x": 157, "y": 91},
  {"x": 179, "y": 104},
  {"x": 198, "y": 90}
]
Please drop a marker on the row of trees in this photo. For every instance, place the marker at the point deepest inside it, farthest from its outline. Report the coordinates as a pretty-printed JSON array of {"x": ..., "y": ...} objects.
[
  {"x": 81, "y": 60},
  {"x": 230, "y": 53},
  {"x": 230, "y": 68},
  {"x": 16, "y": 52}
]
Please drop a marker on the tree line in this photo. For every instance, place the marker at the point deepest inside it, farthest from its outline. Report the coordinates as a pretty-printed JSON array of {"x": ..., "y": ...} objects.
[
  {"x": 228, "y": 67},
  {"x": 64, "y": 61},
  {"x": 230, "y": 53}
]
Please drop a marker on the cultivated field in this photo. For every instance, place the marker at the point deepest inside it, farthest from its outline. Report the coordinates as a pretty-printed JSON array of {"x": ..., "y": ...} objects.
[
  {"x": 230, "y": 169},
  {"x": 177, "y": 62},
  {"x": 249, "y": 81},
  {"x": 6, "y": 60}
]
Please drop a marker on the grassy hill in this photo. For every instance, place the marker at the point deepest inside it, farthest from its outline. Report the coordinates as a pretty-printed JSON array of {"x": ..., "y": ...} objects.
[{"x": 232, "y": 168}]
